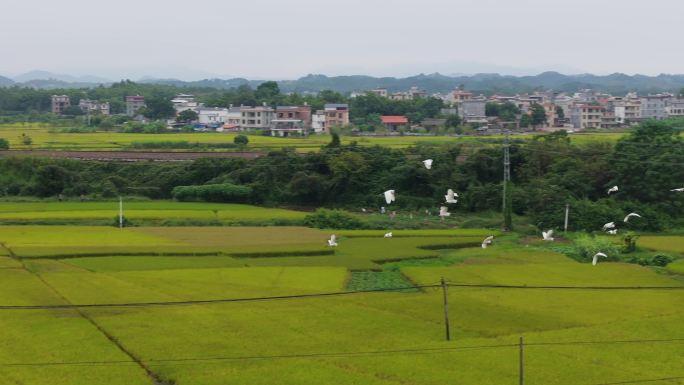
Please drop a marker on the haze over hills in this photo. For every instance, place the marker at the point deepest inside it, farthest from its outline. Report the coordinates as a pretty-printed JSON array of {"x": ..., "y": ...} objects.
[{"x": 488, "y": 83}]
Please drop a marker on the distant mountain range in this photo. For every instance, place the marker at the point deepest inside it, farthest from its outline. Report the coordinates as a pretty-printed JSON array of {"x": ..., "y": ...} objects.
[{"x": 482, "y": 83}]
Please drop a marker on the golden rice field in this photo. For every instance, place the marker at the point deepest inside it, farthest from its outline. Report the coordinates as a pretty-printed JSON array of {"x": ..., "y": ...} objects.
[{"x": 44, "y": 139}]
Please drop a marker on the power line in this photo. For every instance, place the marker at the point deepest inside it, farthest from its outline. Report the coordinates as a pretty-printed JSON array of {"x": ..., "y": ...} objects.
[{"x": 330, "y": 294}]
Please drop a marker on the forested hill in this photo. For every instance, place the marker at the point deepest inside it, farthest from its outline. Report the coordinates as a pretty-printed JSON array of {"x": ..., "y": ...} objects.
[{"x": 617, "y": 84}]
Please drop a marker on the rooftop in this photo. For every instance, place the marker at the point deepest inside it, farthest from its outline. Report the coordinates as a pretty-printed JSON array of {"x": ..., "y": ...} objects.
[{"x": 394, "y": 119}]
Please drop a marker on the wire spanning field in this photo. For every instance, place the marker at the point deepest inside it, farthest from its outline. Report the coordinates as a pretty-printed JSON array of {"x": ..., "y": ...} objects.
[{"x": 590, "y": 337}]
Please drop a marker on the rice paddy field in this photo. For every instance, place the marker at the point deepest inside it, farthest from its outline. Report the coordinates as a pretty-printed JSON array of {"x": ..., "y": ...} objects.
[
  {"x": 150, "y": 329},
  {"x": 144, "y": 212},
  {"x": 46, "y": 139}
]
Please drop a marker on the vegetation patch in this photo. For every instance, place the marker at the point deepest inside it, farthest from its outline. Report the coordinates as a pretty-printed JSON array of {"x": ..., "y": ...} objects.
[{"x": 380, "y": 280}]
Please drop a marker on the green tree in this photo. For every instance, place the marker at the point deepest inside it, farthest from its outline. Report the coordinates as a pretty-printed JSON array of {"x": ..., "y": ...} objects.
[
  {"x": 158, "y": 107},
  {"x": 267, "y": 91},
  {"x": 241, "y": 140},
  {"x": 538, "y": 115},
  {"x": 51, "y": 180},
  {"x": 73, "y": 111},
  {"x": 26, "y": 140},
  {"x": 560, "y": 112},
  {"x": 453, "y": 121},
  {"x": 187, "y": 116},
  {"x": 334, "y": 140},
  {"x": 4, "y": 144}
]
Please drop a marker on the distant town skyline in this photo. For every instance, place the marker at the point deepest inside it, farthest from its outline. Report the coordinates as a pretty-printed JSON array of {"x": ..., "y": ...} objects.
[{"x": 268, "y": 39}]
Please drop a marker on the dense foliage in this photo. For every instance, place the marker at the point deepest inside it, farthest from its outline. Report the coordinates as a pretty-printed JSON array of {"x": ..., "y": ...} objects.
[{"x": 224, "y": 192}]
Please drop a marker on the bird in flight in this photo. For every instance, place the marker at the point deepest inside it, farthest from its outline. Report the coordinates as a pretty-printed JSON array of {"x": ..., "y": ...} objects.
[
  {"x": 594, "y": 259},
  {"x": 612, "y": 189},
  {"x": 609, "y": 226},
  {"x": 332, "y": 242},
  {"x": 487, "y": 241},
  {"x": 390, "y": 196},
  {"x": 678, "y": 189},
  {"x": 388, "y": 235},
  {"x": 451, "y": 196},
  {"x": 444, "y": 212},
  {"x": 547, "y": 235},
  {"x": 631, "y": 215},
  {"x": 428, "y": 163}
]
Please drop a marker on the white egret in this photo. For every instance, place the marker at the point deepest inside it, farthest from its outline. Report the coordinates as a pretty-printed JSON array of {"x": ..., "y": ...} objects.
[
  {"x": 613, "y": 232},
  {"x": 594, "y": 259},
  {"x": 678, "y": 189},
  {"x": 451, "y": 196},
  {"x": 428, "y": 163},
  {"x": 332, "y": 242},
  {"x": 631, "y": 215},
  {"x": 487, "y": 241},
  {"x": 547, "y": 235},
  {"x": 444, "y": 212},
  {"x": 609, "y": 226},
  {"x": 390, "y": 196},
  {"x": 388, "y": 235},
  {"x": 612, "y": 189}
]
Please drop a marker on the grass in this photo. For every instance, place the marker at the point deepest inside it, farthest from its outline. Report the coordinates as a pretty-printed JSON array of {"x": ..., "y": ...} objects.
[
  {"x": 230, "y": 333},
  {"x": 44, "y": 139},
  {"x": 674, "y": 244}
]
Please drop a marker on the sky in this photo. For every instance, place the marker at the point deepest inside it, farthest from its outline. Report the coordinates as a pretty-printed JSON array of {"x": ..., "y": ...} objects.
[{"x": 276, "y": 39}]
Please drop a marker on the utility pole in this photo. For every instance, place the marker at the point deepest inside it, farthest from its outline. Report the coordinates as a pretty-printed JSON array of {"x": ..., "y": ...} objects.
[
  {"x": 120, "y": 212},
  {"x": 567, "y": 213},
  {"x": 446, "y": 310},
  {"x": 506, "y": 180},
  {"x": 521, "y": 360}
]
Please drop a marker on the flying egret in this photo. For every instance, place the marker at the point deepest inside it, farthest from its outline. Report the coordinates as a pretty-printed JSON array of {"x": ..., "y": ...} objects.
[
  {"x": 428, "y": 163},
  {"x": 451, "y": 196},
  {"x": 388, "y": 235},
  {"x": 609, "y": 226},
  {"x": 613, "y": 232},
  {"x": 631, "y": 215},
  {"x": 594, "y": 259},
  {"x": 389, "y": 196},
  {"x": 678, "y": 189},
  {"x": 612, "y": 189},
  {"x": 487, "y": 241},
  {"x": 547, "y": 235},
  {"x": 444, "y": 212},
  {"x": 332, "y": 241}
]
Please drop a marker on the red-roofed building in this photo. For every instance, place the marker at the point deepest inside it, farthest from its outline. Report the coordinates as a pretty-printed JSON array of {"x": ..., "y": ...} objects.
[{"x": 393, "y": 123}]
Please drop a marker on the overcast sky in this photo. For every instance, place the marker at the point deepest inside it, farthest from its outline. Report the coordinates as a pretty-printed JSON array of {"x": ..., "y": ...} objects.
[{"x": 283, "y": 39}]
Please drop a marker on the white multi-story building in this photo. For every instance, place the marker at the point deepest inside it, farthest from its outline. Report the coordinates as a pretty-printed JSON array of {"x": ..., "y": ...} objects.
[
  {"x": 256, "y": 118},
  {"x": 184, "y": 102},
  {"x": 584, "y": 116},
  {"x": 212, "y": 115},
  {"x": 675, "y": 107},
  {"x": 93, "y": 107},
  {"x": 653, "y": 106}
]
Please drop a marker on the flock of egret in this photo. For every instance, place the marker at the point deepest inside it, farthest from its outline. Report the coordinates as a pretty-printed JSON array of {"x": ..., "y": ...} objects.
[{"x": 451, "y": 198}]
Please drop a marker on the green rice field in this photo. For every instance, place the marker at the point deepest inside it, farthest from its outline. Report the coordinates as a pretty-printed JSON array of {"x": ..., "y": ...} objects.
[
  {"x": 45, "y": 139},
  {"x": 383, "y": 338}
]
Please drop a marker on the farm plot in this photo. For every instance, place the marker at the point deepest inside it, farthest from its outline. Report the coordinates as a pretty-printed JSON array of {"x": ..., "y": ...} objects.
[
  {"x": 672, "y": 243},
  {"x": 142, "y": 211},
  {"x": 227, "y": 340}
]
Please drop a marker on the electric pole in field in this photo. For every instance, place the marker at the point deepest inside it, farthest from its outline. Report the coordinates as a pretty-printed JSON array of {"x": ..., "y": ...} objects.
[
  {"x": 506, "y": 205},
  {"x": 120, "y": 212}
]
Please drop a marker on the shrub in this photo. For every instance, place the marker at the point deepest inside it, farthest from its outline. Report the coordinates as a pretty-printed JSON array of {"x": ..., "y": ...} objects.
[
  {"x": 241, "y": 140},
  {"x": 332, "y": 219},
  {"x": 586, "y": 246},
  {"x": 661, "y": 260},
  {"x": 225, "y": 192},
  {"x": 4, "y": 144}
]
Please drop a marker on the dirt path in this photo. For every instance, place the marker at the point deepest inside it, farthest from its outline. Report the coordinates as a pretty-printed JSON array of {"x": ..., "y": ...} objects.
[{"x": 128, "y": 156}]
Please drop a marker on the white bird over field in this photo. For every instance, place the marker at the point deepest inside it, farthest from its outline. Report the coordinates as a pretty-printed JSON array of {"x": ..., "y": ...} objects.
[
  {"x": 428, "y": 163},
  {"x": 612, "y": 189},
  {"x": 444, "y": 212},
  {"x": 594, "y": 260},
  {"x": 451, "y": 196},
  {"x": 631, "y": 215},
  {"x": 547, "y": 235},
  {"x": 487, "y": 241},
  {"x": 678, "y": 189},
  {"x": 613, "y": 232},
  {"x": 388, "y": 235},
  {"x": 332, "y": 242},
  {"x": 389, "y": 196},
  {"x": 609, "y": 226}
]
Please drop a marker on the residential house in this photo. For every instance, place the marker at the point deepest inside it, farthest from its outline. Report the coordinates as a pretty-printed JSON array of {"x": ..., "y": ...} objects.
[
  {"x": 583, "y": 116},
  {"x": 318, "y": 122},
  {"x": 184, "y": 102},
  {"x": 653, "y": 106},
  {"x": 256, "y": 118},
  {"x": 133, "y": 104},
  {"x": 380, "y": 92},
  {"x": 291, "y": 120},
  {"x": 94, "y": 107},
  {"x": 675, "y": 107},
  {"x": 394, "y": 123},
  {"x": 336, "y": 115},
  {"x": 60, "y": 103},
  {"x": 472, "y": 110},
  {"x": 212, "y": 116}
]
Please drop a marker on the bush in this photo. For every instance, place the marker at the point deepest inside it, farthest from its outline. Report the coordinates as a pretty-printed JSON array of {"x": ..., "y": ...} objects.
[
  {"x": 586, "y": 246},
  {"x": 225, "y": 192},
  {"x": 333, "y": 219},
  {"x": 4, "y": 144},
  {"x": 241, "y": 140}
]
